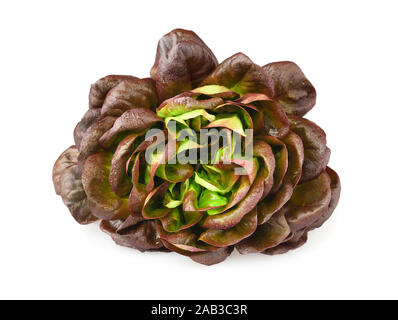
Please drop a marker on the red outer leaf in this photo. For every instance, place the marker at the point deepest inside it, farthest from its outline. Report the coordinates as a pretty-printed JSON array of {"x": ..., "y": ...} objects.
[
  {"x": 100, "y": 89},
  {"x": 89, "y": 118},
  {"x": 267, "y": 235},
  {"x": 309, "y": 202},
  {"x": 275, "y": 201},
  {"x": 232, "y": 217},
  {"x": 103, "y": 202},
  {"x": 130, "y": 221},
  {"x": 295, "y": 161},
  {"x": 142, "y": 236},
  {"x": 89, "y": 143},
  {"x": 186, "y": 237},
  {"x": 292, "y": 89},
  {"x": 276, "y": 122},
  {"x": 223, "y": 238},
  {"x": 129, "y": 94},
  {"x": 316, "y": 153},
  {"x": 182, "y": 61},
  {"x": 241, "y": 75},
  {"x": 184, "y": 242},
  {"x": 295, "y": 158},
  {"x": 67, "y": 183},
  {"x": 298, "y": 239},
  {"x": 133, "y": 120},
  {"x": 335, "y": 196},
  {"x": 209, "y": 258}
]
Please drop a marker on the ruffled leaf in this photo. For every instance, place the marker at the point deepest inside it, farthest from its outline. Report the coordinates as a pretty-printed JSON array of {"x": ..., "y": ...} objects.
[
  {"x": 229, "y": 121},
  {"x": 275, "y": 120},
  {"x": 295, "y": 150},
  {"x": 90, "y": 142},
  {"x": 67, "y": 183},
  {"x": 133, "y": 121},
  {"x": 118, "y": 179},
  {"x": 130, "y": 221},
  {"x": 238, "y": 193},
  {"x": 335, "y": 187},
  {"x": 211, "y": 199},
  {"x": 184, "y": 242},
  {"x": 139, "y": 191},
  {"x": 175, "y": 195},
  {"x": 309, "y": 202},
  {"x": 129, "y": 94},
  {"x": 89, "y": 118},
  {"x": 316, "y": 153},
  {"x": 292, "y": 89},
  {"x": 281, "y": 159},
  {"x": 263, "y": 151},
  {"x": 175, "y": 173},
  {"x": 209, "y": 258},
  {"x": 232, "y": 217},
  {"x": 184, "y": 103},
  {"x": 216, "y": 180},
  {"x": 142, "y": 236},
  {"x": 182, "y": 61},
  {"x": 267, "y": 235},
  {"x": 239, "y": 110},
  {"x": 193, "y": 200},
  {"x": 239, "y": 74},
  {"x": 297, "y": 240},
  {"x": 103, "y": 202},
  {"x": 176, "y": 220},
  {"x": 100, "y": 89},
  {"x": 222, "y": 238},
  {"x": 275, "y": 201},
  {"x": 214, "y": 90},
  {"x": 153, "y": 206}
]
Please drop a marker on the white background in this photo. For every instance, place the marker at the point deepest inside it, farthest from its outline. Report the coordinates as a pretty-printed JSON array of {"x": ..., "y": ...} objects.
[{"x": 51, "y": 51}]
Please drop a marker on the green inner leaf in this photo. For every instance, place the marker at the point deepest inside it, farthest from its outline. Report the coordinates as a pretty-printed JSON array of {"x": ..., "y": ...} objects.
[
  {"x": 174, "y": 221},
  {"x": 211, "y": 199},
  {"x": 175, "y": 195},
  {"x": 182, "y": 118},
  {"x": 174, "y": 172},
  {"x": 211, "y": 89},
  {"x": 229, "y": 121},
  {"x": 214, "y": 179},
  {"x": 187, "y": 144},
  {"x": 147, "y": 176}
]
